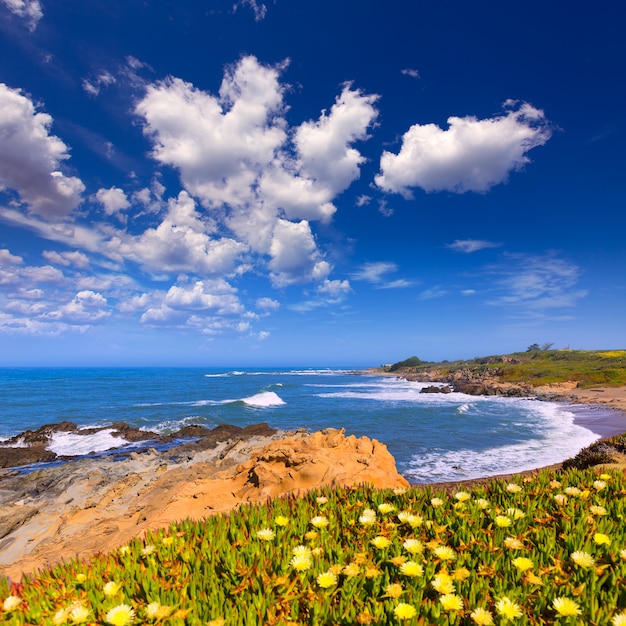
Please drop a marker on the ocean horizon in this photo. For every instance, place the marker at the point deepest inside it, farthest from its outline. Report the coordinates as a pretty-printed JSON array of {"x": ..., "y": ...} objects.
[{"x": 433, "y": 437}]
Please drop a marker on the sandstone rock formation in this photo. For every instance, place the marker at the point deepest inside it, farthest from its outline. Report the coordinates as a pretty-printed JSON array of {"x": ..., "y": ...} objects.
[{"x": 96, "y": 505}]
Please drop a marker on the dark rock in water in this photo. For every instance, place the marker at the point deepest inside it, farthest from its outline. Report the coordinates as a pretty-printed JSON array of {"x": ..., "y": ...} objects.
[
  {"x": 436, "y": 389},
  {"x": 30, "y": 447}
]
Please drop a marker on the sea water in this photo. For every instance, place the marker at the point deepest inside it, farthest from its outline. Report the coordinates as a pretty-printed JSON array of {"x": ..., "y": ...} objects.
[{"x": 433, "y": 437}]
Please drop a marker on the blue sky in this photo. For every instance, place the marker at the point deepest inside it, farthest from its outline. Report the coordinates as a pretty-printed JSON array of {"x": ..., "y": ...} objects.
[{"x": 289, "y": 182}]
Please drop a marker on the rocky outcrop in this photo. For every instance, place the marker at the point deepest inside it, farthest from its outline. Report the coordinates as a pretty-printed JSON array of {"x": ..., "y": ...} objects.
[{"x": 95, "y": 505}]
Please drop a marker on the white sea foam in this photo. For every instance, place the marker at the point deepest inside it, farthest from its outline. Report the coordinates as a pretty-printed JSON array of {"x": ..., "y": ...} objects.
[
  {"x": 264, "y": 399},
  {"x": 464, "y": 408},
  {"x": 559, "y": 440},
  {"x": 72, "y": 444}
]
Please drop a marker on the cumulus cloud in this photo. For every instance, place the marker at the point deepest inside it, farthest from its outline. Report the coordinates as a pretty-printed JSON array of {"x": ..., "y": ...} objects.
[
  {"x": 413, "y": 73},
  {"x": 236, "y": 154},
  {"x": 113, "y": 201},
  {"x": 472, "y": 245},
  {"x": 267, "y": 304},
  {"x": 206, "y": 305},
  {"x": 471, "y": 155},
  {"x": 30, "y": 158},
  {"x": 30, "y": 10},
  {"x": 6, "y": 257},
  {"x": 75, "y": 258},
  {"x": 86, "y": 307},
  {"x": 181, "y": 243}
]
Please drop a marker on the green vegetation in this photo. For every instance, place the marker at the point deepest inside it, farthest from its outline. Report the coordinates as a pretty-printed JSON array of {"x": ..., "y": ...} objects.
[
  {"x": 539, "y": 366},
  {"x": 547, "y": 549},
  {"x": 412, "y": 361}
]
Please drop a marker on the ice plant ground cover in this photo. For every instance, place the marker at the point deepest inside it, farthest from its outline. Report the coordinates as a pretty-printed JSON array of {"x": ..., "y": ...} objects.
[{"x": 546, "y": 549}]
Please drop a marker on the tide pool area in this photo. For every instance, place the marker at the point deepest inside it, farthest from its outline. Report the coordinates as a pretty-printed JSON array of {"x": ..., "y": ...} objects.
[{"x": 433, "y": 437}]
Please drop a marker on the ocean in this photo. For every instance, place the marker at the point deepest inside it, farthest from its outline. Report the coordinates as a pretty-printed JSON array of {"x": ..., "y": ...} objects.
[{"x": 433, "y": 437}]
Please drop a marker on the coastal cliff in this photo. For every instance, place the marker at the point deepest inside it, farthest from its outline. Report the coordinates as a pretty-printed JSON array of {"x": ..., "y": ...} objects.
[{"x": 88, "y": 506}]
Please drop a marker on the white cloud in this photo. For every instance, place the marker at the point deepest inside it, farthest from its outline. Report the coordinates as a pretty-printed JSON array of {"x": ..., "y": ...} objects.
[
  {"x": 181, "y": 243},
  {"x": 363, "y": 200},
  {"x": 536, "y": 283},
  {"x": 87, "y": 307},
  {"x": 236, "y": 154},
  {"x": 75, "y": 258},
  {"x": 411, "y": 72},
  {"x": 267, "y": 304},
  {"x": 93, "y": 87},
  {"x": 433, "y": 293},
  {"x": 30, "y": 158},
  {"x": 374, "y": 272},
  {"x": 335, "y": 288},
  {"x": 113, "y": 200},
  {"x": 295, "y": 255},
  {"x": 30, "y": 10},
  {"x": 7, "y": 257},
  {"x": 471, "y": 245},
  {"x": 260, "y": 10},
  {"x": 471, "y": 155}
]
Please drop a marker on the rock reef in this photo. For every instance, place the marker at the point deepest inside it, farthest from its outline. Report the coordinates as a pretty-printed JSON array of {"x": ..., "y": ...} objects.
[{"x": 93, "y": 505}]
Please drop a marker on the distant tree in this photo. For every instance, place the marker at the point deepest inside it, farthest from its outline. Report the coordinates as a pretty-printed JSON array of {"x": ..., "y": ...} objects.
[
  {"x": 546, "y": 346},
  {"x": 412, "y": 361},
  {"x": 533, "y": 347}
]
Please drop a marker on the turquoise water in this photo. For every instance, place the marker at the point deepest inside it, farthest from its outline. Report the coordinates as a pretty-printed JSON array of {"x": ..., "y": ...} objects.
[{"x": 433, "y": 437}]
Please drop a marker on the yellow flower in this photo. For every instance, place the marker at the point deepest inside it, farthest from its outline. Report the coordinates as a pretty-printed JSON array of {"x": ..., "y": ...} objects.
[
  {"x": 372, "y": 572},
  {"x": 321, "y": 499},
  {"x": 398, "y": 491},
  {"x": 111, "y": 589},
  {"x": 599, "y": 484},
  {"x": 503, "y": 521},
  {"x": 565, "y": 607},
  {"x": 442, "y": 583},
  {"x": 445, "y": 553},
  {"x": 381, "y": 542},
  {"x": 411, "y": 568},
  {"x": 124, "y": 550},
  {"x": 619, "y": 619},
  {"x": 404, "y": 611},
  {"x": 436, "y": 502},
  {"x": 265, "y": 534},
  {"x": 583, "y": 559},
  {"x": 560, "y": 499},
  {"x": 513, "y": 488},
  {"x": 513, "y": 544},
  {"x": 507, "y": 608},
  {"x": 167, "y": 541},
  {"x": 605, "y": 476},
  {"x": 81, "y": 578},
  {"x": 311, "y": 534},
  {"x": 220, "y": 621},
  {"x": 319, "y": 521},
  {"x": 368, "y": 517},
  {"x": 352, "y": 569},
  {"x": 147, "y": 550},
  {"x": 393, "y": 590},
  {"x": 482, "y": 503},
  {"x": 398, "y": 560},
  {"x": 601, "y": 539},
  {"x": 281, "y": 520},
  {"x": 597, "y": 510},
  {"x": 522, "y": 563},
  {"x": 462, "y": 496},
  {"x": 481, "y": 617},
  {"x": 385, "y": 507},
  {"x": 451, "y": 602},
  {"x": 515, "y": 513},
  {"x": 301, "y": 562},
  {"x": 572, "y": 491},
  {"x": 461, "y": 574},
  {"x": 11, "y": 603},
  {"x": 555, "y": 484},
  {"x": 326, "y": 579},
  {"x": 413, "y": 546},
  {"x": 120, "y": 615}
]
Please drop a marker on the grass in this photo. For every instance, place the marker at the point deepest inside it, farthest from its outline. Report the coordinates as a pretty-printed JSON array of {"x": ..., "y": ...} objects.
[
  {"x": 541, "y": 367},
  {"x": 546, "y": 549}
]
